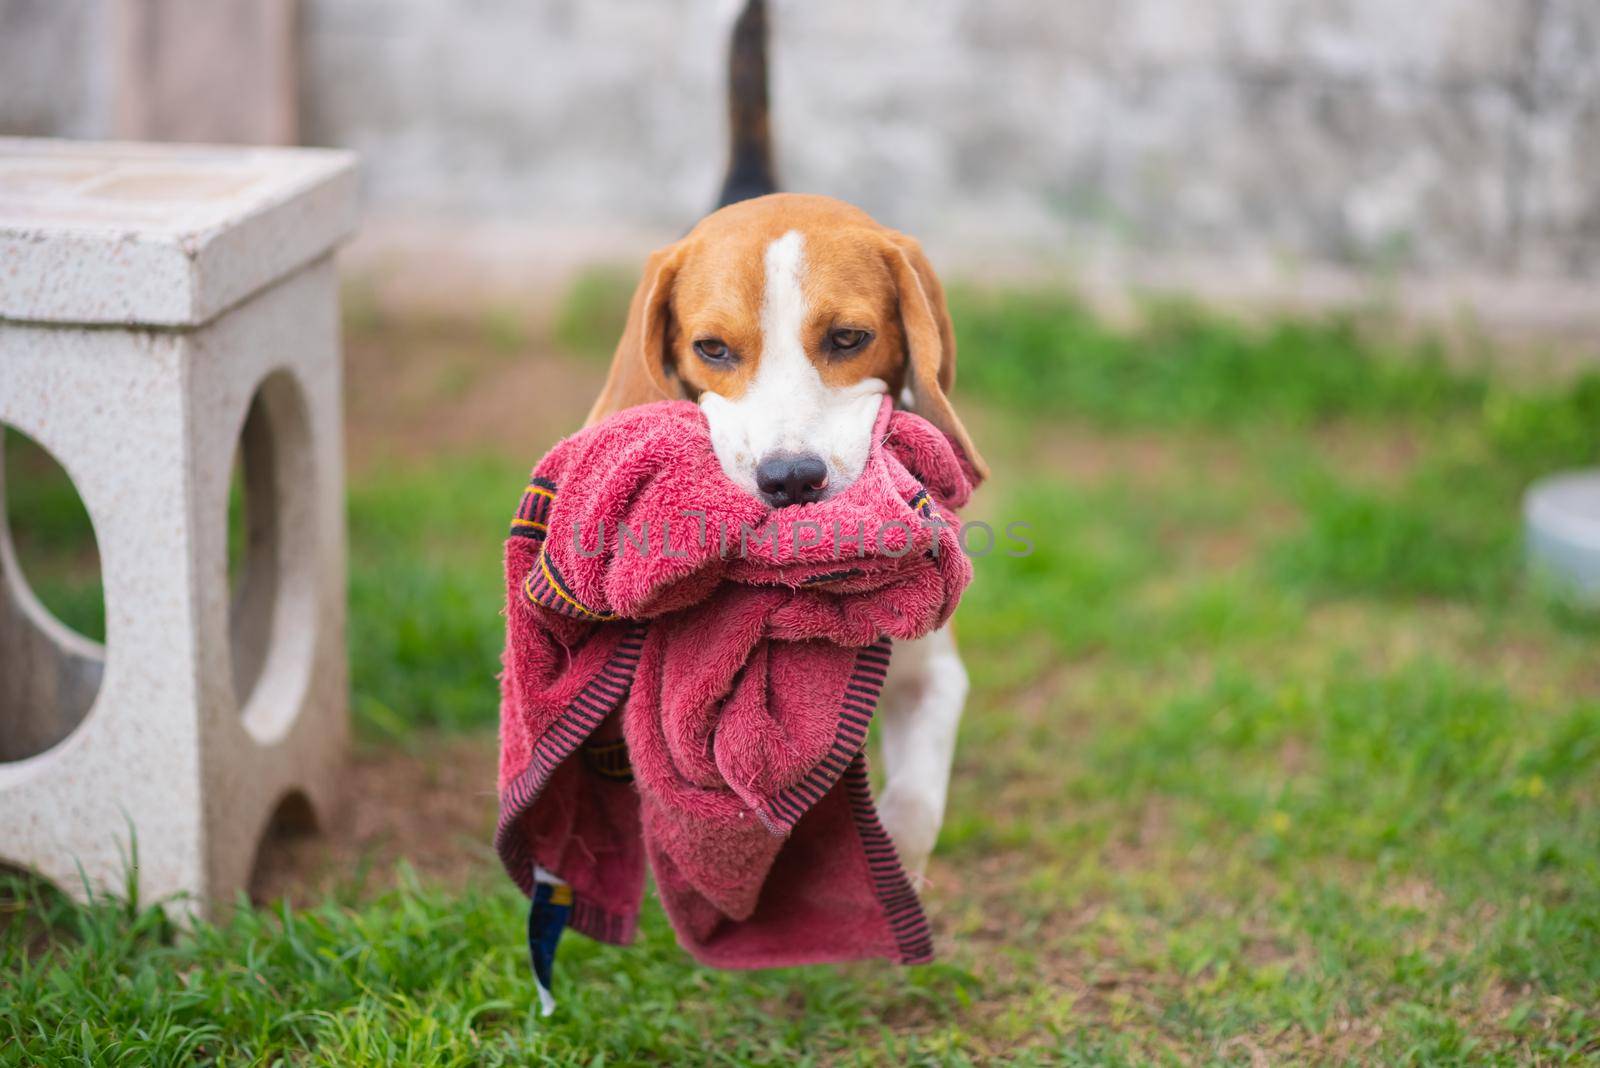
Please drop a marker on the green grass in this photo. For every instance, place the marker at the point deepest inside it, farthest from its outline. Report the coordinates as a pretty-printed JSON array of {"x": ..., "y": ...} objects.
[
  {"x": 1045, "y": 351},
  {"x": 1272, "y": 751},
  {"x": 53, "y": 534},
  {"x": 426, "y": 592},
  {"x": 419, "y": 977},
  {"x": 590, "y": 318}
]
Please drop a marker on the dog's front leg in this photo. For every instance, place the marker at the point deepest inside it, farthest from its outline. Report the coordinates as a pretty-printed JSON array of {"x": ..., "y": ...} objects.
[{"x": 920, "y": 711}]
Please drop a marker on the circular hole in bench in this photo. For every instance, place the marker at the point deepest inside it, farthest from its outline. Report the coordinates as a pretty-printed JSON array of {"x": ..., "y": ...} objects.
[
  {"x": 271, "y": 545},
  {"x": 52, "y": 604}
]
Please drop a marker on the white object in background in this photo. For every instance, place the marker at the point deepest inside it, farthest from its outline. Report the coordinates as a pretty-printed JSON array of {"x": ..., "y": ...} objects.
[
  {"x": 1562, "y": 515},
  {"x": 159, "y": 306}
]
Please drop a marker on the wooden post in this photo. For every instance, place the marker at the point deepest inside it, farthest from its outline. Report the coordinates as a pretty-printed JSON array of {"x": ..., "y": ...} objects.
[{"x": 213, "y": 71}]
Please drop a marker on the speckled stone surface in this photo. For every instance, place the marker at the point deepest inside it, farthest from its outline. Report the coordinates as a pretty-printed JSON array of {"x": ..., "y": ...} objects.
[
  {"x": 160, "y": 235},
  {"x": 182, "y": 746}
]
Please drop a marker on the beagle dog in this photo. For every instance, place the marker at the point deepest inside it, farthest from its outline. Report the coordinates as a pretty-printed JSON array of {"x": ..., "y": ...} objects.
[{"x": 787, "y": 318}]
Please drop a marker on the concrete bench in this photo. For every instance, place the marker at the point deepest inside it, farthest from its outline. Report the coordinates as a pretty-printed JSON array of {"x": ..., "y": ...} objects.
[{"x": 164, "y": 309}]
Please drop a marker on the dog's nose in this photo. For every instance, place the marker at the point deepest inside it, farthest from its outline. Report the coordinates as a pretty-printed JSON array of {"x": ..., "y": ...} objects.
[{"x": 786, "y": 479}]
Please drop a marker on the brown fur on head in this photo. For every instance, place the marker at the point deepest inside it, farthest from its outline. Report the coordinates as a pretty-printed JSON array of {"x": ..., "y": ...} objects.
[{"x": 851, "y": 277}]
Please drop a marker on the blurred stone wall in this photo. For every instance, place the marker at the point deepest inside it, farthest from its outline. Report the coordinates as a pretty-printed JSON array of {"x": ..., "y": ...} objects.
[
  {"x": 54, "y": 68},
  {"x": 1428, "y": 138}
]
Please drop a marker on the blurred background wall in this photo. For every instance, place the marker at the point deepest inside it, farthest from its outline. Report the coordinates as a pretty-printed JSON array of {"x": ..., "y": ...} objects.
[{"x": 1298, "y": 146}]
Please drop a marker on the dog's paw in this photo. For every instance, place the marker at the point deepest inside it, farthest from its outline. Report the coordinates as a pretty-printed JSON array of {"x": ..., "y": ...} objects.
[{"x": 913, "y": 825}]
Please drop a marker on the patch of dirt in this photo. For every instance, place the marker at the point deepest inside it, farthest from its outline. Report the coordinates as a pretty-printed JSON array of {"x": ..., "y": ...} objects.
[
  {"x": 1377, "y": 456},
  {"x": 431, "y": 803},
  {"x": 1233, "y": 546},
  {"x": 1085, "y": 454},
  {"x": 1080, "y": 452},
  {"x": 1418, "y": 895},
  {"x": 1529, "y": 665},
  {"x": 416, "y": 392}
]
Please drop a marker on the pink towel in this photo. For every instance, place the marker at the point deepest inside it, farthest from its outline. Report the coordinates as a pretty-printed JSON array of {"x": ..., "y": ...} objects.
[{"x": 689, "y": 677}]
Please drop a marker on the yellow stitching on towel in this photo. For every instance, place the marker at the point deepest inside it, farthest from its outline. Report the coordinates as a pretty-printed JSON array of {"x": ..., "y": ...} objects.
[{"x": 554, "y": 585}]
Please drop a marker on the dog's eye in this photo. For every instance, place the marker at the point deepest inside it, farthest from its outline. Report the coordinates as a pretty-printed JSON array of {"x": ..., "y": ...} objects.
[
  {"x": 712, "y": 351},
  {"x": 846, "y": 340}
]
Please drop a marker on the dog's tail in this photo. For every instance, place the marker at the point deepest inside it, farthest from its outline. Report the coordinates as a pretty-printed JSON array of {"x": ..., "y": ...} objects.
[{"x": 750, "y": 171}]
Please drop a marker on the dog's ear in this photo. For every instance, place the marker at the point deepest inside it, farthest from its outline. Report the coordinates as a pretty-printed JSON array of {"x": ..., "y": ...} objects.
[
  {"x": 639, "y": 369},
  {"x": 930, "y": 342}
]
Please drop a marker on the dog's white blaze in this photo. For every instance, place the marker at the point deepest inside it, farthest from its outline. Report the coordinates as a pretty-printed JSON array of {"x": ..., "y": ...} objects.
[
  {"x": 787, "y": 406},
  {"x": 784, "y": 373}
]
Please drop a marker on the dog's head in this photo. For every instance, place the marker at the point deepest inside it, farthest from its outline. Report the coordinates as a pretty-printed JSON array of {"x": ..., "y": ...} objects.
[{"x": 787, "y": 318}]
